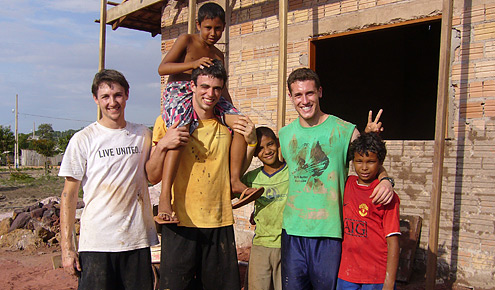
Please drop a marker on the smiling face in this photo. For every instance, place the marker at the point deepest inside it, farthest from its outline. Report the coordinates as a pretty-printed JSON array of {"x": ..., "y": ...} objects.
[
  {"x": 366, "y": 167},
  {"x": 306, "y": 99},
  {"x": 267, "y": 151},
  {"x": 211, "y": 30},
  {"x": 112, "y": 98},
  {"x": 206, "y": 93}
]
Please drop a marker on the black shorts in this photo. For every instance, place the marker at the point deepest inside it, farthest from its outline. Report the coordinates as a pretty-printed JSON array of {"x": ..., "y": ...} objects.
[
  {"x": 116, "y": 270},
  {"x": 198, "y": 258}
]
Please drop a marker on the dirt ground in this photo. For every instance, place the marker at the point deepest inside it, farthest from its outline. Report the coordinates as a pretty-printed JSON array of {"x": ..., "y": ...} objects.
[
  {"x": 27, "y": 191},
  {"x": 32, "y": 269}
]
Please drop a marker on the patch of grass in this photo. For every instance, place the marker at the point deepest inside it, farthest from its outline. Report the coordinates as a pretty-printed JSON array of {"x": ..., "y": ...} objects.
[{"x": 20, "y": 177}]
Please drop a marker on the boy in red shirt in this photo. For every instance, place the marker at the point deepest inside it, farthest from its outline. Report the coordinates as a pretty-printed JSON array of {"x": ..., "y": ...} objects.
[{"x": 370, "y": 250}]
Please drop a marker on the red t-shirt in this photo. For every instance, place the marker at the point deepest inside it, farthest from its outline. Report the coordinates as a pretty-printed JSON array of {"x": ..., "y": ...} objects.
[{"x": 366, "y": 227}]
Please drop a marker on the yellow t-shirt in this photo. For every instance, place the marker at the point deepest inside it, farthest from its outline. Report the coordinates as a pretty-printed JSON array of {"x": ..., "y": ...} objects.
[{"x": 201, "y": 190}]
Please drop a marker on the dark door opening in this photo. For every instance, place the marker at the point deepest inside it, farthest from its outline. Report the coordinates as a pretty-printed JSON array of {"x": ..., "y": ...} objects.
[{"x": 395, "y": 69}]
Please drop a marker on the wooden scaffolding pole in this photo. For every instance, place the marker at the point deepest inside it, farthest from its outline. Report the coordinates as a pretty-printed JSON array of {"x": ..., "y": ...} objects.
[
  {"x": 439, "y": 147},
  {"x": 103, "y": 39},
  {"x": 191, "y": 19},
  {"x": 282, "y": 63}
]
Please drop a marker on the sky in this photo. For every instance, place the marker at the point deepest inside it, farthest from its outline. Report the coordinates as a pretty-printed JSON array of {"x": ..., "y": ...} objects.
[{"x": 49, "y": 53}]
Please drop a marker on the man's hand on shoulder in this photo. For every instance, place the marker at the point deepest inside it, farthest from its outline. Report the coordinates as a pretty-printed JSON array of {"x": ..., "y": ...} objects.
[{"x": 383, "y": 193}]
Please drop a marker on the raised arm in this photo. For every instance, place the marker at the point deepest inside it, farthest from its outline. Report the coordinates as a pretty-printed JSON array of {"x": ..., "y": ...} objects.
[
  {"x": 68, "y": 203},
  {"x": 246, "y": 127},
  {"x": 173, "y": 62}
]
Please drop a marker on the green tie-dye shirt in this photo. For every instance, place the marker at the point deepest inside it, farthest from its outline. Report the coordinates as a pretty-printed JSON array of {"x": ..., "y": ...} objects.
[{"x": 317, "y": 161}]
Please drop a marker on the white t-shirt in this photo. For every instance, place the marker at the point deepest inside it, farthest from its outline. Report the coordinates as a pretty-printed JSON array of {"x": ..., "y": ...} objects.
[{"x": 110, "y": 163}]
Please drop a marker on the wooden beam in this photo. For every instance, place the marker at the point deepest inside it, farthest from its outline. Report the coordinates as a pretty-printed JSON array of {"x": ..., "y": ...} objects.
[
  {"x": 128, "y": 7},
  {"x": 439, "y": 146},
  {"x": 282, "y": 63},
  {"x": 191, "y": 17},
  {"x": 103, "y": 39}
]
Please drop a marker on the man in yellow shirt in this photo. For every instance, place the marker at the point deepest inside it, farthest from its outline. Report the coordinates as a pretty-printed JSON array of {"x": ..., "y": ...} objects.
[{"x": 199, "y": 252}]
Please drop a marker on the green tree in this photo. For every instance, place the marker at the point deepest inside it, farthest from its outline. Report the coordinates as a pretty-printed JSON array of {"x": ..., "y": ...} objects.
[
  {"x": 7, "y": 139},
  {"x": 24, "y": 141},
  {"x": 44, "y": 147},
  {"x": 46, "y": 132},
  {"x": 64, "y": 138},
  {"x": 46, "y": 144}
]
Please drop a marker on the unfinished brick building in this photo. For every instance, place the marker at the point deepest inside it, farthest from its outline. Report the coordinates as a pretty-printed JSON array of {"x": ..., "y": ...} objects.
[{"x": 375, "y": 54}]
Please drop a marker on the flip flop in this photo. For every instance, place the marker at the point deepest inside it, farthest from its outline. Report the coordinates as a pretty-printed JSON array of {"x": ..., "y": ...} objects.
[
  {"x": 161, "y": 221},
  {"x": 243, "y": 200}
]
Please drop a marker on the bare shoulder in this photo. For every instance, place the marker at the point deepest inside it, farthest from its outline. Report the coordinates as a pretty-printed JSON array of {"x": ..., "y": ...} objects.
[{"x": 217, "y": 53}]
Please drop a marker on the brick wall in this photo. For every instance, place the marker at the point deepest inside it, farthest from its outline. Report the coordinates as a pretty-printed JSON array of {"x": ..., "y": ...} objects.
[{"x": 467, "y": 227}]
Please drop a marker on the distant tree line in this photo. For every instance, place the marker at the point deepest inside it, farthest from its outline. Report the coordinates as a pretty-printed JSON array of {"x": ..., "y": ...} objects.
[{"x": 46, "y": 141}]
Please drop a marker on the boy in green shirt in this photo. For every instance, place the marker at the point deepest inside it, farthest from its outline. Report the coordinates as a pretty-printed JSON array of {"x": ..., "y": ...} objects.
[{"x": 264, "y": 263}]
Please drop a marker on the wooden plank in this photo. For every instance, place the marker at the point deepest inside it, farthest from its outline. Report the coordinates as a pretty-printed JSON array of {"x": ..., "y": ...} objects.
[
  {"x": 282, "y": 63},
  {"x": 128, "y": 7},
  {"x": 439, "y": 145},
  {"x": 379, "y": 27},
  {"x": 103, "y": 40},
  {"x": 191, "y": 17}
]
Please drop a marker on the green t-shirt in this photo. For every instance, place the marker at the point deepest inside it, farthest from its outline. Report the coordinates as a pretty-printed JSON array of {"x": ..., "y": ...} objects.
[
  {"x": 269, "y": 207},
  {"x": 318, "y": 167}
]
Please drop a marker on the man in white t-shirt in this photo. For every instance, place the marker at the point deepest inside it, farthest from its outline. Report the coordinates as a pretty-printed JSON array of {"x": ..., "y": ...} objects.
[{"x": 108, "y": 159}]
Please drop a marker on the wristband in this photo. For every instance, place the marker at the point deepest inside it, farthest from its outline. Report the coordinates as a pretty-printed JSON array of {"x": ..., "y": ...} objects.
[
  {"x": 253, "y": 145},
  {"x": 390, "y": 179}
]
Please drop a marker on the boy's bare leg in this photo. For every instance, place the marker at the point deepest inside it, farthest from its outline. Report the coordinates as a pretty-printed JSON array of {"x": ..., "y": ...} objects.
[
  {"x": 237, "y": 153},
  {"x": 170, "y": 167}
]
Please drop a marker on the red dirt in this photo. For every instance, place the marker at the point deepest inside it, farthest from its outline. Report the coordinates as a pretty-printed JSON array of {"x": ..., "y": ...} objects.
[{"x": 33, "y": 270}]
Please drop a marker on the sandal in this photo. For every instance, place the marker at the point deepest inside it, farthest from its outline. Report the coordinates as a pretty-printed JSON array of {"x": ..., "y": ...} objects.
[{"x": 243, "y": 200}]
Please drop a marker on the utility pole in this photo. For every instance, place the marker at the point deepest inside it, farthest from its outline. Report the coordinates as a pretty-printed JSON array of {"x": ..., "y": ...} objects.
[{"x": 16, "y": 145}]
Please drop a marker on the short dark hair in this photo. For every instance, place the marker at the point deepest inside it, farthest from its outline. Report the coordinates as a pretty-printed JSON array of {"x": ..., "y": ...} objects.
[
  {"x": 109, "y": 76},
  {"x": 368, "y": 142},
  {"x": 211, "y": 10},
  {"x": 264, "y": 131},
  {"x": 303, "y": 74},
  {"x": 215, "y": 70}
]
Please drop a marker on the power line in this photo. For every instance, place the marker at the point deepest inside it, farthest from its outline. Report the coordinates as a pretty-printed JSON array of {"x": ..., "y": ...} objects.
[{"x": 67, "y": 119}]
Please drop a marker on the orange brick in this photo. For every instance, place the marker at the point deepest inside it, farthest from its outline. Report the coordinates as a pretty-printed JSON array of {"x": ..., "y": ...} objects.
[
  {"x": 247, "y": 27},
  {"x": 247, "y": 54},
  {"x": 489, "y": 108},
  {"x": 259, "y": 25},
  {"x": 384, "y": 2},
  {"x": 295, "y": 4},
  {"x": 332, "y": 9},
  {"x": 366, "y": 4},
  {"x": 484, "y": 31},
  {"x": 349, "y": 6},
  {"x": 235, "y": 30},
  {"x": 489, "y": 12}
]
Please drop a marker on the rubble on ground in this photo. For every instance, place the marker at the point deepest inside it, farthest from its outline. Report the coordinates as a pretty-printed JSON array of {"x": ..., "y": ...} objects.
[{"x": 34, "y": 225}]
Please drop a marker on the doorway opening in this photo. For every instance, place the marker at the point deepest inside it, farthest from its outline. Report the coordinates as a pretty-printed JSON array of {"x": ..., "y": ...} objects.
[{"x": 392, "y": 67}]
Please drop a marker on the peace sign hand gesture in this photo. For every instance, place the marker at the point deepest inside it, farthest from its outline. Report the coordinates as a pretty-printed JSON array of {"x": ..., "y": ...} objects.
[{"x": 374, "y": 126}]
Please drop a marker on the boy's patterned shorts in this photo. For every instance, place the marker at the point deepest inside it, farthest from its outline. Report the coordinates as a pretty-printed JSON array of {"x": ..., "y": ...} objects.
[{"x": 177, "y": 106}]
